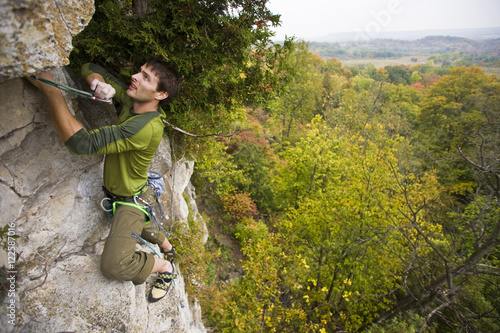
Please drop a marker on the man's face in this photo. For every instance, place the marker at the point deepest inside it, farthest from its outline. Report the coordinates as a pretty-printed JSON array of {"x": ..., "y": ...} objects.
[{"x": 143, "y": 86}]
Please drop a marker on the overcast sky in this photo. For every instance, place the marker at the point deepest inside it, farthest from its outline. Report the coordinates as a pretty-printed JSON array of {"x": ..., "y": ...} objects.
[{"x": 316, "y": 18}]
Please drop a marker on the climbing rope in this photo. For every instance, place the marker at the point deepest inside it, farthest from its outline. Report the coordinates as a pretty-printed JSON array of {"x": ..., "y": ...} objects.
[
  {"x": 200, "y": 136},
  {"x": 172, "y": 156}
]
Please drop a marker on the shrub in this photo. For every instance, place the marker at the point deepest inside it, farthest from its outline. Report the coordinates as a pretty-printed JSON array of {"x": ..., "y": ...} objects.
[{"x": 239, "y": 206}]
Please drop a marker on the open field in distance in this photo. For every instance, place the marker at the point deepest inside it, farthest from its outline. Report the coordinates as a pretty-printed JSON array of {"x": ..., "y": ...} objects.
[
  {"x": 378, "y": 63},
  {"x": 407, "y": 60}
]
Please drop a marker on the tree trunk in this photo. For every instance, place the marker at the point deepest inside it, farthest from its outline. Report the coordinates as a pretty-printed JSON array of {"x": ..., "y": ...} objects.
[{"x": 141, "y": 7}]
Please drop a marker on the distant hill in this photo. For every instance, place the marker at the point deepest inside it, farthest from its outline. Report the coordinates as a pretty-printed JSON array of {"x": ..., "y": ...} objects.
[
  {"x": 388, "y": 48},
  {"x": 474, "y": 34}
]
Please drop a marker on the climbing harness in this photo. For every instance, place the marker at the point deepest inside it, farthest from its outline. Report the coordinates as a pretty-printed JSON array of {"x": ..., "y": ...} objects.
[
  {"x": 74, "y": 91},
  {"x": 155, "y": 213}
]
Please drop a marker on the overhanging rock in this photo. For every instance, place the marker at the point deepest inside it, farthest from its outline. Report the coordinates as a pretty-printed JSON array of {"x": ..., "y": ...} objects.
[{"x": 36, "y": 35}]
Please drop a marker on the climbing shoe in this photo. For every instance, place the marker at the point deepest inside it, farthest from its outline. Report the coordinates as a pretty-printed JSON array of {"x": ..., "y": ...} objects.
[
  {"x": 168, "y": 255},
  {"x": 161, "y": 286}
]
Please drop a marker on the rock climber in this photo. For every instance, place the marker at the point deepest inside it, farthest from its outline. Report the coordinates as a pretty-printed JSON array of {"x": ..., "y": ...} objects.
[{"x": 129, "y": 147}]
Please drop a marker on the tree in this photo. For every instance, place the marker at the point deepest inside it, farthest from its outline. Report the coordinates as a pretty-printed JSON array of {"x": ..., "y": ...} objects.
[
  {"x": 344, "y": 219},
  {"x": 460, "y": 120},
  {"x": 392, "y": 108},
  {"x": 252, "y": 154},
  {"x": 415, "y": 77},
  {"x": 222, "y": 50},
  {"x": 335, "y": 78},
  {"x": 300, "y": 101},
  {"x": 457, "y": 106},
  {"x": 398, "y": 75}
]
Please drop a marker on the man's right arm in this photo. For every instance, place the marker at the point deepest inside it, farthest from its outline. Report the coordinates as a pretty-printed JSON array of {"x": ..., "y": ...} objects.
[
  {"x": 103, "y": 82},
  {"x": 100, "y": 88}
]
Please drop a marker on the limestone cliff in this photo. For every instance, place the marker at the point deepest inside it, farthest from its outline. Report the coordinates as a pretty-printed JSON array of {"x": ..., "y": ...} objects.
[
  {"x": 50, "y": 199},
  {"x": 36, "y": 34}
]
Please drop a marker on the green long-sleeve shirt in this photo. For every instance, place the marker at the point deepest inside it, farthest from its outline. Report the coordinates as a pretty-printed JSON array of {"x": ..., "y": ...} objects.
[{"x": 129, "y": 145}]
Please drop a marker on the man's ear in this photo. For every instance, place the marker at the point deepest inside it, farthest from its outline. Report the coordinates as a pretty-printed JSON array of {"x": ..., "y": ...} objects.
[{"x": 161, "y": 95}]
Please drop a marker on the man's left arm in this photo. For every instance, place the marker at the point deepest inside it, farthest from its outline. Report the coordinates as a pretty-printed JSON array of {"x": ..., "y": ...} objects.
[{"x": 134, "y": 134}]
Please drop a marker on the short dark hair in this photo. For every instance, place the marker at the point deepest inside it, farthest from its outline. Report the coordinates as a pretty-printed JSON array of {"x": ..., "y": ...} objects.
[{"x": 168, "y": 78}]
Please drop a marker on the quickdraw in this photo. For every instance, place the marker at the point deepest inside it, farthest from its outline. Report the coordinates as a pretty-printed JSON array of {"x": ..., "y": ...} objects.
[
  {"x": 74, "y": 91},
  {"x": 157, "y": 214}
]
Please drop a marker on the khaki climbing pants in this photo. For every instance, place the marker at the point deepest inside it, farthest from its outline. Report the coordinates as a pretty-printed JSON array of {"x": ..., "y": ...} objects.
[{"x": 120, "y": 259}]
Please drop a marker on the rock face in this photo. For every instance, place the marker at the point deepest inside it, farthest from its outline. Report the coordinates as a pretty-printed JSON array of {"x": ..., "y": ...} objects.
[
  {"x": 36, "y": 34},
  {"x": 51, "y": 200}
]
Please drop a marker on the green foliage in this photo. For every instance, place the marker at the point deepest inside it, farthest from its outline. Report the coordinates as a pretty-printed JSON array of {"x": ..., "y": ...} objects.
[
  {"x": 215, "y": 172},
  {"x": 481, "y": 303},
  {"x": 314, "y": 154},
  {"x": 323, "y": 268},
  {"x": 398, "y": 75},
  {"x": 343, "y": 201},
  {"x": 313, "y": 85},
  {"x": 253, "y": 156},
  {"x": 374, "y": 106},
  {"x": 460, "y": 111},
  {"x": 250, "y": 230},
  {"x": 361, "y": 83},
  {"x": 410, "y": 323},
  {"x": 222, "y": 49},
  {"x": 3, "y": 236},
  {"x": 255, "y": 303},
  {"x": 194, "y": 260},
  {"x": 415, "y": 77}
]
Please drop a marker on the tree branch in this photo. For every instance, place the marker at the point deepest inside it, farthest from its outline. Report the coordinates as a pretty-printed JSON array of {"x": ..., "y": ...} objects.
[
  {"x": 436, "y": 310},
  {"x": 200, "y": 136},
  {"x": 426, "y": 295}
]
